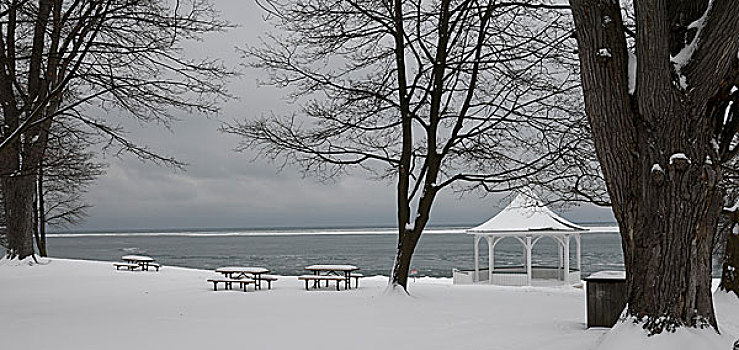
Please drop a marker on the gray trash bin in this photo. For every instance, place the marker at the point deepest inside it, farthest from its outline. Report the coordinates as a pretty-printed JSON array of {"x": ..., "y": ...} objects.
[{"x": 606, "y": 297}]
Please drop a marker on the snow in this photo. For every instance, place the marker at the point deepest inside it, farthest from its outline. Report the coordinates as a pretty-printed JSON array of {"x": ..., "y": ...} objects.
[
  {"x": 332, "y": 267},
  {"x": 657, "y": 167},
  {"x": 632, "y": 72},
  {"x": 69, "y": 304},
  {"x": 409, "y": 226},
  {"x": 677, "y": 156},
  {"x": 683, "y": 57},
  {"x": 727, "y": 313},
  {"x": 732, "y": 208},
  {"x": 137, "y": 258},
  {"x": 627, "y": 335},
  {"x": 525, "y": 213},
  {"x": 604, "y": 52},
  {"x": 608, "y": 275}
]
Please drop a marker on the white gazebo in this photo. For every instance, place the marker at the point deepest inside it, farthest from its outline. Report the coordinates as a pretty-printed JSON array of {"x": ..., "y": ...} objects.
[{"x": 527, "y": 220}]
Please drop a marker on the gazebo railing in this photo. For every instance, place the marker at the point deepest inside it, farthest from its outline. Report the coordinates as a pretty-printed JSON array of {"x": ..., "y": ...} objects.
[{"x": 514, "y": 275}]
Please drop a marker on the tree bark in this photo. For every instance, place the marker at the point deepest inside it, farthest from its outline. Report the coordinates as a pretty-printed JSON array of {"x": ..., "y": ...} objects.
[
  {"x": 19, "y": 196},
  {"x": 406, "y": 246},
  {"x": 667, "y": 205},
  {"x": 729, "y": 273},
  {"x": 40, "y": 232}
]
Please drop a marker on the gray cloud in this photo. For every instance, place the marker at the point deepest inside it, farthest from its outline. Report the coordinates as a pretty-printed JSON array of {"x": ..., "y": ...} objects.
[{"x": 221, "y": 188}]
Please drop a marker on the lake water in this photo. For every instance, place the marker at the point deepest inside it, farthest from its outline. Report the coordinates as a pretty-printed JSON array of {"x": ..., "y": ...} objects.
[{"x": 287, "y": 251}]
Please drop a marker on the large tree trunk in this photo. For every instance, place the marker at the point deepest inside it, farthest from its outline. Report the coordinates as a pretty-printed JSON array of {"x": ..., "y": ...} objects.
[
  {"x": 406, "y": 246},
  {"x": 669, "y": 240},
  {"x": 19, "y": 159},
  {"x": 19, "y": 196},
  {"x": 653, "y": 140},
  {"x": 40, "y": 214},
  {"x": 729, "y": 273},
  {"x": 411, "y": 232}
]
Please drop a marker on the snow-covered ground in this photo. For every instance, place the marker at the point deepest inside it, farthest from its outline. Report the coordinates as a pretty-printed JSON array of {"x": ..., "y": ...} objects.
[{"x": 66, "y": 304}]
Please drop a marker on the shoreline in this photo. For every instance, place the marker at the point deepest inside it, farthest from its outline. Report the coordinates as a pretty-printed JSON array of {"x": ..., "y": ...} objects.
[{"x": 279, "y": 232}]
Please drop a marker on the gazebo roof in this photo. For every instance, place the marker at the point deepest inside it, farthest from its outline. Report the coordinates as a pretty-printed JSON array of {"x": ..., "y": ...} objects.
[{"x": 525, "y": 214}]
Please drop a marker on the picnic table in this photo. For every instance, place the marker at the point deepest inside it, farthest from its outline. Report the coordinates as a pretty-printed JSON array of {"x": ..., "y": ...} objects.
[
  {"x": 142, "y": 261},
  {"x": 333, "y": 270},
  {"x": 255, "y": 273}
]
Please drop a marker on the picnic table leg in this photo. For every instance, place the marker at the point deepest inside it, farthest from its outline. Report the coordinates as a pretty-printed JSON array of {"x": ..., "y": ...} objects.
[
  {"x": 306, "y": 284},
  {"x": 337, "y": 285},
  {"x": 215, "y": 286}
]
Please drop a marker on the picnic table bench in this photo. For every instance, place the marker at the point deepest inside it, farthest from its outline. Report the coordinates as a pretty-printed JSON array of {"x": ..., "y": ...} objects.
[
  {"x": 321, "y": 272},
  {"x": 318, "y": 278},
  {"x": 228, "y": 283},
  {"x": 269, "y": 279},
  {"x": 356, "y": 276},
  {"x": 143, "y": 261},
  {"x": 131, "y": 262},
  {"x": 255, "y": 273},
  {"x": 128, "y": 266}
]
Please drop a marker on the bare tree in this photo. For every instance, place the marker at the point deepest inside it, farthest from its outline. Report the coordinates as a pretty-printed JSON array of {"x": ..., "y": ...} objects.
[
  {"x": 67, "y": 170},
  {"x": 433, "y": 95},
  {"x": 82, "y": 60},
  {"x": 662, "y": 142}
]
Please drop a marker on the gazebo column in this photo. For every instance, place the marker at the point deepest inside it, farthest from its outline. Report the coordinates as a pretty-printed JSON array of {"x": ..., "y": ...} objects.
[
  {"x": 491, "y": 258},
  {"x": 528, "y": 259},
  {"x": 559, "y": 252},
  {"x": 577, "y": 247},
  {"x": 476, "y": 277},
  {"x": 567, "y": 260}
]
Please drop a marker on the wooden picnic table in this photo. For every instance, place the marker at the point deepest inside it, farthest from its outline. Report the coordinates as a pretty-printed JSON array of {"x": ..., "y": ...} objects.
[
  {"x": 244, "y": 271},
  {"x": 336, "y": 270},
  {"x": 142, "y": 260}
]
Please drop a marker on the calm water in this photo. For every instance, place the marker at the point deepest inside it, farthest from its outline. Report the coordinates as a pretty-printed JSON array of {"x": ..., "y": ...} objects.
[{"x": 287, "y": 253}]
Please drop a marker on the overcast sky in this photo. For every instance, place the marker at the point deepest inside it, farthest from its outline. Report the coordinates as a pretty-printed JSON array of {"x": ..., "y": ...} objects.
[{"x": 224, "y": 189}]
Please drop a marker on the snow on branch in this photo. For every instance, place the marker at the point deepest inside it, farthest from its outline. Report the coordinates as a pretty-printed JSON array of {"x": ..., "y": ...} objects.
[
  {"x": 683, "y": 57},
  {"x": 678, "y": 157}
]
